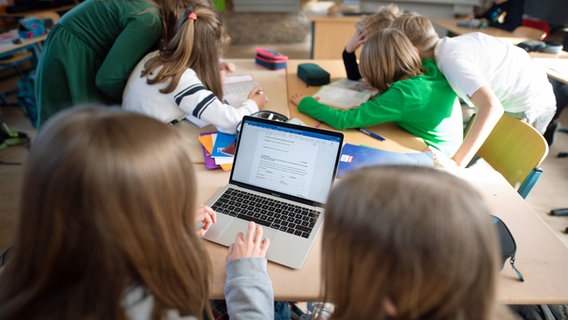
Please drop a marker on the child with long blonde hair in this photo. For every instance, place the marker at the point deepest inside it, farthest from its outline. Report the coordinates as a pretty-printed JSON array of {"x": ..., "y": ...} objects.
[
  {"x": 183, "y": 78},
  {"x": 414, "y": 94}
]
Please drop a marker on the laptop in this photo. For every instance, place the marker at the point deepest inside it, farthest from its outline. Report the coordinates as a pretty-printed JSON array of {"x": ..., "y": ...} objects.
[{"x": 281, "y": 176}]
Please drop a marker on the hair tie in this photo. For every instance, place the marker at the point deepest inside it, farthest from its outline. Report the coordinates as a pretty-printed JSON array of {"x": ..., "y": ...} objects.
[{"x": 192, "y": 16}]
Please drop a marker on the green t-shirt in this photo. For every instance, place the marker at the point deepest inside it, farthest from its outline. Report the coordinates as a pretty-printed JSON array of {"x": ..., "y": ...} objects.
[{"x": 424, "y": 105}]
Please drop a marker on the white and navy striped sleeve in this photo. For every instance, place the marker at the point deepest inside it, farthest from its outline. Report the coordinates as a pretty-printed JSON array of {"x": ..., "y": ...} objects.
[{"x": 198, "y": 101}]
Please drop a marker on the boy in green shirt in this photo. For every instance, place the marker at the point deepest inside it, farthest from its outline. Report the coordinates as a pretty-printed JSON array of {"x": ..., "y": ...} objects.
[{"x": 414, "y": 94}]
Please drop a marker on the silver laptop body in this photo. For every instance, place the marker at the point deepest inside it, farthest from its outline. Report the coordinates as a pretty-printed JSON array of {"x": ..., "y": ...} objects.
[{"x": 281, "y": 177}]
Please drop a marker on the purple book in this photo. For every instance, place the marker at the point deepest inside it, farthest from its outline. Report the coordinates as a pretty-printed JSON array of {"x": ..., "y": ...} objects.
[{"x": 209, "y": 161}]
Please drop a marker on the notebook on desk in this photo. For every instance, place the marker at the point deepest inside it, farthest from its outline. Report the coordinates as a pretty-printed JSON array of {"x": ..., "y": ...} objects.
[{"x": 282, "y": 174}]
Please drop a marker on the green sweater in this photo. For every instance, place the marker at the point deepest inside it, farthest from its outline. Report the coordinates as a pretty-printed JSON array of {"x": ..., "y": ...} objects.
[
  {"x": 89, "y": 54},
  {"x": 424, "y": 105}
]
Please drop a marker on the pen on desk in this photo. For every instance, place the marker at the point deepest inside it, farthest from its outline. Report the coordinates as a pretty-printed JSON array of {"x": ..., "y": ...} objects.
[{"x": 372, "y": 134}]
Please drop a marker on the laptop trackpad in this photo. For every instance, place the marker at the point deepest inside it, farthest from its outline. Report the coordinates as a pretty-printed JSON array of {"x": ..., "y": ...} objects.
[
  {"x": 239, "y": 225},
  {"x": 214, "y": 233}
]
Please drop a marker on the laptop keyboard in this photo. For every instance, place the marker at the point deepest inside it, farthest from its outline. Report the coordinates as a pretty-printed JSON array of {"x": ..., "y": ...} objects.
[{"x": 267, "y": 212}]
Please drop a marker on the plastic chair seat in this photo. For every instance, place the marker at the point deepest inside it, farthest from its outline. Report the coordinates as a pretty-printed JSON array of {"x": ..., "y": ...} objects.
[{"x": 515, "y": 149}]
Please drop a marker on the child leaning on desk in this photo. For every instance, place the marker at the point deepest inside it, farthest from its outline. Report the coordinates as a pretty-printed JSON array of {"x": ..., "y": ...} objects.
[
  {"x": 487, "y": 73},
  {"x": 184, "y": 77},
  {"x": 107, "y": 228},
  {"x": 414, "y": 94}
]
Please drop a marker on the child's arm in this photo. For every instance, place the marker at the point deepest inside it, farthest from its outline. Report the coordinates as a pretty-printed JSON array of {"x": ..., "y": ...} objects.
[
  {"x": 349, "y": 57},
  {"x": 370, "y": 113},
  {"x": 489, "y": 111}
]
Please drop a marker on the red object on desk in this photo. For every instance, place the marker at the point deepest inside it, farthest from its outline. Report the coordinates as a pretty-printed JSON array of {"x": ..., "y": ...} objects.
[{"x": 537, "y": 24}]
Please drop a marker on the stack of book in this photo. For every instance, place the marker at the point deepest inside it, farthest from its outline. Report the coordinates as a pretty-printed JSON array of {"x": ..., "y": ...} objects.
[{"x": 218, "y": 150}]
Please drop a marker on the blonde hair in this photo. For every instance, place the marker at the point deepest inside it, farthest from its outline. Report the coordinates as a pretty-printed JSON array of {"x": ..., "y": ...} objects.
[
  {"x": 107, "y": 204},
  {"x": 388, "y": 56},
  {"x": 417, "y": 237},
  {"x": 379, "y": 20},
  {"x": 197, "y": 44},
  {"x": 418, "y": 29}
]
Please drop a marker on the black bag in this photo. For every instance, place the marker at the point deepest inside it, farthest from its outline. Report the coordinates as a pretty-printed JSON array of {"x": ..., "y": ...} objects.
[
  {"x": 312, "y": 74},
  {"x": 508, "y": 245}
]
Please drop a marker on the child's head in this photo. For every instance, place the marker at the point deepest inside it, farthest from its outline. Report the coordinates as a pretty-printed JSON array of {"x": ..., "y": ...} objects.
[
  {"x": 108, "y": 203},
  {"x": 417, "y": 239},
  {"x": 418, "y": 29},
  {"x": 379, "y": 20},
  {"x": 169, "y": 11},
  {"x": 388, "y": 56},
  {"x": 198, "y": 43}
]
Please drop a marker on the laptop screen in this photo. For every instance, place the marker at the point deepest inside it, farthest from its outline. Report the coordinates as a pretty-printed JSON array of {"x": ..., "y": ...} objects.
[{"x": 286, "y": 159}]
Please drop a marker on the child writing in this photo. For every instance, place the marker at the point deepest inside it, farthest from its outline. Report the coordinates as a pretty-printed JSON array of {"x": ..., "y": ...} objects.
[
  {"x": 426, "y": 249},
  {"x": 414, "y": 94},
  {"x": 184, "y": 78},
  {"x": 489, "y": 74},
  {"x": 365, "y": 27},
  {"x": 115, "y": 237}
]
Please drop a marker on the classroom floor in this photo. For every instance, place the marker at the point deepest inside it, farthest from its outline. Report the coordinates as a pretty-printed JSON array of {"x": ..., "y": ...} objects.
[{"x": 550, "y": 192}]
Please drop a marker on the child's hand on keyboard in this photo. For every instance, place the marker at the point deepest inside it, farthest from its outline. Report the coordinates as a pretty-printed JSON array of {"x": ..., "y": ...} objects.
[
  {"x": 250, "y": 245},
  {"x": 207, "y": 217}
]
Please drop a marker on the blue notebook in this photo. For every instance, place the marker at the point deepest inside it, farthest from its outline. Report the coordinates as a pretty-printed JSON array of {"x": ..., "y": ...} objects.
[{"x": 355, "y": 156}]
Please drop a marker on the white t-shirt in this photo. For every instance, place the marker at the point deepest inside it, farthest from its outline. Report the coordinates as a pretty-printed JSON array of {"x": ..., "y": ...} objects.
[
  {"x": 473, "y": 60},
  {"x": 189, "y": 99}
]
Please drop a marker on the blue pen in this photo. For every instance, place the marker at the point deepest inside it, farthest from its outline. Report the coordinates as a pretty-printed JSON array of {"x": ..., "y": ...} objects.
[{"x": 372, "y": 134}]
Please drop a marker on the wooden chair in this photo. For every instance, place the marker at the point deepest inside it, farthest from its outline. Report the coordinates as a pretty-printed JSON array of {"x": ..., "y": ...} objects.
[
  {"x": 530, "y": 33},
  {"x": 515, "y": 149}
]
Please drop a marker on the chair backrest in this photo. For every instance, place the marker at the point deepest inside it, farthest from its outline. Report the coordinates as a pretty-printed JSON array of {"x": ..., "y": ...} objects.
[
  {"x": 530, "y": 33},
  {"x": 514, "y": 148}
]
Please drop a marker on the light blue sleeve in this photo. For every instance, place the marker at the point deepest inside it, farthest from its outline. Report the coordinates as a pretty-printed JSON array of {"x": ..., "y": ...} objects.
[{"x": 248, "y": 290}]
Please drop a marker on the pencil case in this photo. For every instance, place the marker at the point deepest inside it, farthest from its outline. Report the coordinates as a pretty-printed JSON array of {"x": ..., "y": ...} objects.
[
  {"x": 272, "y": 65},
  {"x": 312, "y": 74},
  {"x": 270, "y": 59},
  {"x": 507, "y": 244}
]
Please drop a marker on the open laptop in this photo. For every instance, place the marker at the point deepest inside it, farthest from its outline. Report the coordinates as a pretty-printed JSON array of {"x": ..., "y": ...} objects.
[{"x": 286, "y": 169}]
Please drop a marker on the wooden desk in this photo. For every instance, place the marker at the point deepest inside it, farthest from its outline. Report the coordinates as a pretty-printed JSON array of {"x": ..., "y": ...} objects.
[
  {"x": 541, "y": 257},
  {"x": 555, "y": 68},
  {"x": 330, "y": 35},
  {"x": 451, "y": 25},
  {"x": 7, "y": 47}
]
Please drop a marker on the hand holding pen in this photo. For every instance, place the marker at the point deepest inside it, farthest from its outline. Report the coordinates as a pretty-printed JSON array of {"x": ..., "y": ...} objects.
[{"x": 258, "y": 95}]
